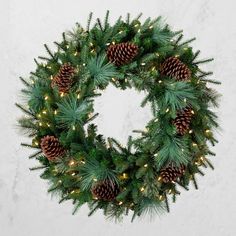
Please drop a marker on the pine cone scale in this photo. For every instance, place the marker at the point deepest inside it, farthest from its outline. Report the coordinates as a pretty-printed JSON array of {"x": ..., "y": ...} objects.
[
  {"x": 173, "y": 67},
  {"x": 171, "y": 173},
  {"x": 122, "y": 53},
  {"x": 105, "y": 190},
  {"x": 183, "y": 120},
  {"x": 51, "y": 148},
  {"x": 63, "y": 79}
]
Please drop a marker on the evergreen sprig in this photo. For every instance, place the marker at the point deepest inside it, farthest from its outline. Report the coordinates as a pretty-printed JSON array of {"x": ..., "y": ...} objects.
[
  {"x": 101, "y": 71},
  {"x": 71, "y": 111}
]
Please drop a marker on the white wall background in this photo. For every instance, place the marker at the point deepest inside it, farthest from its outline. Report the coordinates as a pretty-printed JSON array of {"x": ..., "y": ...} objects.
[{"x": 25, "y": 207}]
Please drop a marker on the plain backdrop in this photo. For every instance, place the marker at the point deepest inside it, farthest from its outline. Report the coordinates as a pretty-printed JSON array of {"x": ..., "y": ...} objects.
[{"x": 25, "y": 207}]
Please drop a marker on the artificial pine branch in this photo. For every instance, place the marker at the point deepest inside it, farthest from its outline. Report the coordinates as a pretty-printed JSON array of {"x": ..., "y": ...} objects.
[
  {"x": 89, "y": 21},
  {"x": 203, "y": 61},
  {"x": 35, "y": 154},
  {"x": 195, "y": 55},
  {"x": 49, "y": 52},
  {"x": 187, "y": 42},
  {"x": 27, "y": 112},
  {"x": 106, "y": 20}
]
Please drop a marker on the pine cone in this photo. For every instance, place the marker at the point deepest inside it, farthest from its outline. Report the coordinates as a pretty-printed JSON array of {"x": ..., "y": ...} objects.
[
  {"x": 171, "y": 173},
  {"x": 122, "y": 53},
  {"x": 63, "y": 79},
  {"x": 183, "y": 120},
  {"x": 105, "y": 190},
  {"x": 51, "y": 148},
  {"x": 173, "y": 67}
]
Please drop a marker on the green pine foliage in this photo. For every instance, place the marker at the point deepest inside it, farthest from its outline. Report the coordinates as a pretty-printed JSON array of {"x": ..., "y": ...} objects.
[
  {"x": 90, "y": 157},
  {"x": 72, "y": 111},
  {"x": 100, "y": 71}
]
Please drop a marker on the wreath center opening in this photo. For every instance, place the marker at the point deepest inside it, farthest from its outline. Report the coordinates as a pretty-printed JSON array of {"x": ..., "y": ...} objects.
[{"x": 120, "y": 113}]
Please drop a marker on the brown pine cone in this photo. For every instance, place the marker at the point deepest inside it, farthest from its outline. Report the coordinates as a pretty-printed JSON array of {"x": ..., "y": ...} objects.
[
  {"x": 51, "y": 148},
  {"x": 122, "y": 53},
  {"x": 105, "y": 190},
  {"x": 174, "y": 68},
  {"x": 63, "y": 79},
  {"x": 171, "y": 173},
  {"x": 183, "y": 120}
]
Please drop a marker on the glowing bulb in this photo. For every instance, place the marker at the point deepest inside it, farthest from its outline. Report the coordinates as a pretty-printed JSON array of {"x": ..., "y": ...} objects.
[
  {"x": 51, "y": 77},
  {"x": 145, "y": 130},
  {"x": 169, "y": 191},
  {"x": 120, "y": 203},
  {"x": 55, "y": 112},
  {"x": 95, "y": 180},
  {"x": 143, "y": 64},
  {"x": 40, "y": 124},
  {"x": 124, "y": 176},
  {"x": 73, "y": 174},
  {"x": 76, "y": 53},
  {"x": 73, "y": 127},
  {"x": 44, "y": 112},
  {"x": 159, "y": 178},
  {"x": 62, "y": 94},
  {"x": 142, "y": 189},
  {"x": 192, "y": 111},
  {"x": 78, "y": 96},
  {"x": 207, "y": 131},
  {"x": 167, "y": 110},
  {"x": 202, "y": 158},
  {"x": 190, "y": 131},
  {"x": 46, "y": 98},
  {"x": 194, "y": 144},
  {"x": 71, "y": 163},
  {"x": 145, "y": 166},
  {"x": 160, "y": 81}
]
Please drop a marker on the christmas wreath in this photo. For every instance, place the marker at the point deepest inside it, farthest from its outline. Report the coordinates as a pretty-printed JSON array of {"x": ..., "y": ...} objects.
[{"x": 85, "y": 167}]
